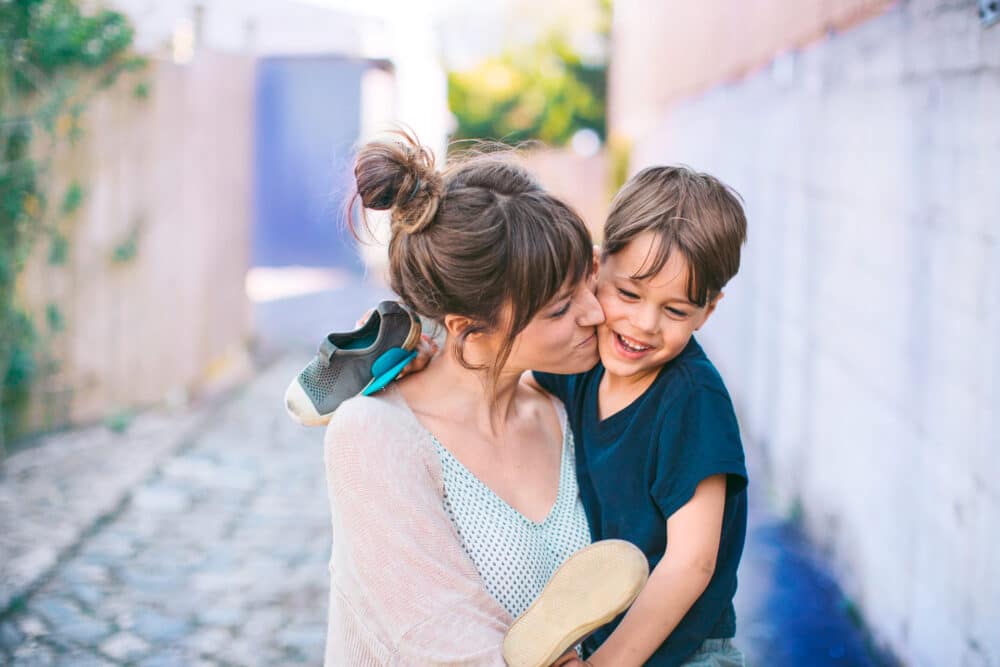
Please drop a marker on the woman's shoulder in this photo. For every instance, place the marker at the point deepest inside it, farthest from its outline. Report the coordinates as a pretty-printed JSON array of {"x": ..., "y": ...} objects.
[
  {"x": 382, "y": 406},
  {"x": 378, "y": 427}
]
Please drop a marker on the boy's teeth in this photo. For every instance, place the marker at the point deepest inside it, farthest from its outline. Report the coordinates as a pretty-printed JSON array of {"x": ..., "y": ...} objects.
[{"x": 630, "y": 346}]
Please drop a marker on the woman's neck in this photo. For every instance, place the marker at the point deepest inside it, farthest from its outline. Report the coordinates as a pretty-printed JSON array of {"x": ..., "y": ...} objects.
[{"x": 456, "y": 393}]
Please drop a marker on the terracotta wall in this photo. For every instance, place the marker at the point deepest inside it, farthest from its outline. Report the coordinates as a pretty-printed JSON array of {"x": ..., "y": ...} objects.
[
  {"x": 667, "y": 50},
  {"x": 174, "y": 172}
]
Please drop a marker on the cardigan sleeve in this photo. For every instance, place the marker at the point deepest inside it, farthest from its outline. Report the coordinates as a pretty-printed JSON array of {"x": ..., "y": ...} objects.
[{"x": 397, "y": 561}]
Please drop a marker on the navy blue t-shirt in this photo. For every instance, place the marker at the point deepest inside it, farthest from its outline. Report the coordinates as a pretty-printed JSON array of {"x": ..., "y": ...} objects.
[{"x": 640, "y": 465}]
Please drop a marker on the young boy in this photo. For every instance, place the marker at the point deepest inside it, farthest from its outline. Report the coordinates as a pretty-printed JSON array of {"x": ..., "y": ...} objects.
[{"x": 659, "y": 457}]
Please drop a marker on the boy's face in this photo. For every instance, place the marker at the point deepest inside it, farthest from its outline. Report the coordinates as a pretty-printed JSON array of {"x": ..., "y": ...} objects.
[{"x": 647, "y": 322}]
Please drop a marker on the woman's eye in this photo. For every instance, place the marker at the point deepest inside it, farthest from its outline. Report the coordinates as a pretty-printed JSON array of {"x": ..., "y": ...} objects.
[
  {"x": 562, "y": 311},
  {"x": 627, "y": 294}
]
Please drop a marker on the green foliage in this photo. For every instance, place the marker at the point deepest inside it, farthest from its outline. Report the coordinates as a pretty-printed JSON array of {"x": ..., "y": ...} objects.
[
  {"x": 128, "y": 248},
  {"x": 72, "y": 198},
  {"x": 544, "y": 91},
  {"x": 54, "y": 317},
  {"x": 59, "y": 250},
  {"x": 49, "y": 37},
  {"x": 119, "y": 422},
  {"x": 20, "y": 366},
  {"x": 53, "y": 57}
]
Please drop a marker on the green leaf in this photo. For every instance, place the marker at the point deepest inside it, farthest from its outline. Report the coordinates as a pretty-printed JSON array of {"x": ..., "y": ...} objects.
[
  {"x": 141, "y": 90},
  {"x": 135, "y": 63},
  {"x": 127, "y": 250},
  {"x": 119, "y": 421},
  {"x": 72, "y": 199},
  {"x": 59, "y": 250},
  {"x": 19, "y": 334},
  {"x": 54, "y": 318}
]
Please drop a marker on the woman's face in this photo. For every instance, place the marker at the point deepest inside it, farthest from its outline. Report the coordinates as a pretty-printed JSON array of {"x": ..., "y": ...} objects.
[{"x": 562, "y": 338}]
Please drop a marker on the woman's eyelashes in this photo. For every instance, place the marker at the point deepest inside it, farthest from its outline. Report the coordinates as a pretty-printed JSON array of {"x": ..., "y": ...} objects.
[
  {"x": 627, "y": 295},
  {"x": 562, "y": 311}
]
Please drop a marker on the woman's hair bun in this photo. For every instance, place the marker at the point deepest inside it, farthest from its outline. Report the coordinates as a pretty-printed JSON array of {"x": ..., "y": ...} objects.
[{"x": 398, "y": 174}]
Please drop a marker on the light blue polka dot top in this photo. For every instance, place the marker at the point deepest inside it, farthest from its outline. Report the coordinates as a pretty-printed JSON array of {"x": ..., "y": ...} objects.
[{"x": 514, "y": 555}]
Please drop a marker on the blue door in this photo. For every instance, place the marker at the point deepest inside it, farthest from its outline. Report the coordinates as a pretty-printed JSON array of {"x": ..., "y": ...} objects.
[{"x": 308, "y": 115}]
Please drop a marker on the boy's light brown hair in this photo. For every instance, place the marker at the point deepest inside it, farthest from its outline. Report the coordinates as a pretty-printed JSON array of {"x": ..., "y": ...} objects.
[{"x": 691, "y": 213}]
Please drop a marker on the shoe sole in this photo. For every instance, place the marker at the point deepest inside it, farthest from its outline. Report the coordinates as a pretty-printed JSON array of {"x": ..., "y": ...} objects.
[
  {"x": 590, "y": 589},
  {"x": 300, "y": 407}
]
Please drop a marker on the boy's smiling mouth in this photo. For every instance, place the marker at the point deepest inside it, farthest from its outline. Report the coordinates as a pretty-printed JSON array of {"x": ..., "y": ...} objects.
[{"x": 630, "y": 346}]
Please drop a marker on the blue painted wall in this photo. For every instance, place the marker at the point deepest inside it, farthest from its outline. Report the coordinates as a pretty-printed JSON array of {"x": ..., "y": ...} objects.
[{"x": 308, "y": 113}]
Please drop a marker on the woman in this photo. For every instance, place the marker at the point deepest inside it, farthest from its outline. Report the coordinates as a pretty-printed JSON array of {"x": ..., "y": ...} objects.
[{"x": 453, "y": 493}]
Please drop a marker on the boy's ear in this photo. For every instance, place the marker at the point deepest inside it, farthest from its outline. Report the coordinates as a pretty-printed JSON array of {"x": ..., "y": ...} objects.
[{"x": 710, "y": 308}]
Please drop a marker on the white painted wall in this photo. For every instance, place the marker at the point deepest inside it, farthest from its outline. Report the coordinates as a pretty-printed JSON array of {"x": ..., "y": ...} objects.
[{"x": 861, "y": 339}]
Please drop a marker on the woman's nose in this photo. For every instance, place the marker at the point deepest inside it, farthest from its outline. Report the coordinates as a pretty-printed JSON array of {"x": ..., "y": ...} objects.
[{"x": 591, "y": 313}]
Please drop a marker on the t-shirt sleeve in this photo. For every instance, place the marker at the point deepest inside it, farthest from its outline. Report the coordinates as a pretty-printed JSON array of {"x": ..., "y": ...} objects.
[
  {"x": 557, "y": 385},
  {"x": 700, "y": 438}
]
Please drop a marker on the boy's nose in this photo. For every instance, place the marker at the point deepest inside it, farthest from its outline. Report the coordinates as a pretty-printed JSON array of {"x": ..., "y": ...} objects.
[
  {"x": 591, "y": 314},
  {"x": 646, "y": 320}
]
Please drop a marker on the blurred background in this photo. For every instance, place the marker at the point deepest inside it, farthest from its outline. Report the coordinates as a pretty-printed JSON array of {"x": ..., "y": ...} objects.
[{"x": 173, "y": 183}]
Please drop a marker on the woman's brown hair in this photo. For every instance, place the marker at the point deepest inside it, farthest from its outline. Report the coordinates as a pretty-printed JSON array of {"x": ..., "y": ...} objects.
[{"x": 480, "y": 240}]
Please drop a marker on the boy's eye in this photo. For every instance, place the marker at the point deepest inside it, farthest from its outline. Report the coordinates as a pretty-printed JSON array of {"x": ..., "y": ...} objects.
[
  {"x": 675, "y": 312},
  {"x": 627, "y": 294}
]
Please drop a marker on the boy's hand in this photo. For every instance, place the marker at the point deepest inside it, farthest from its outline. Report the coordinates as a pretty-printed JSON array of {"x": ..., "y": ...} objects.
[
  {"x": 426, "y": 349},
  {"x": 569, "y": 659}
]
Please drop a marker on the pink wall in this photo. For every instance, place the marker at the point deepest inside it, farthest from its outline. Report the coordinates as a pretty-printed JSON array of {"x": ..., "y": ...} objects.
[{"x": 667, "y": 50}]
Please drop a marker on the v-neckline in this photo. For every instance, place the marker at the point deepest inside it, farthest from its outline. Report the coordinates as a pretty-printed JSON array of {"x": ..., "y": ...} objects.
[
  {"x": 394, "y": 394},
  {"x": 559, "y": 489}
]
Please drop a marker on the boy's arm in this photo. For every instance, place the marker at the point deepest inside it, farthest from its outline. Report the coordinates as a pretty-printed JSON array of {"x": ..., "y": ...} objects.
[{"x": 676, "y": 582}]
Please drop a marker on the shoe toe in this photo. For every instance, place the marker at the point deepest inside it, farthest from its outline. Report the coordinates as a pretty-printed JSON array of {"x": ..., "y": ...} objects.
[{"x": 300, "y": 408}]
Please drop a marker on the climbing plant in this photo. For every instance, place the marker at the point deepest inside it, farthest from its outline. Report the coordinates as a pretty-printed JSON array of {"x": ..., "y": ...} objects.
[{"x": 53, "y": 58}]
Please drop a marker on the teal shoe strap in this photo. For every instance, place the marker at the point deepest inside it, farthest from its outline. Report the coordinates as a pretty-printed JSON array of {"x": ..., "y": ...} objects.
[{"x": 387, "y": 367}]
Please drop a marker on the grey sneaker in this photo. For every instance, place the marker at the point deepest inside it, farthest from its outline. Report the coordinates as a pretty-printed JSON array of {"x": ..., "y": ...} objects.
[{"x": 357, "y": 362}]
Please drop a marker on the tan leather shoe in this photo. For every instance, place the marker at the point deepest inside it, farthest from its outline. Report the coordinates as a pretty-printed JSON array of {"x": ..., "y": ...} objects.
[{"x": 590, "y": 589}]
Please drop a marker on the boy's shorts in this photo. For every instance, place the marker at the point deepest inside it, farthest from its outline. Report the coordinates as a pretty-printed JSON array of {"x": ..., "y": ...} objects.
[{"x": 716, "y": 653}]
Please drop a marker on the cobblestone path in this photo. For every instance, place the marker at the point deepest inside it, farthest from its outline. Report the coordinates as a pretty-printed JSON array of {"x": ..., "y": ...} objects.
[{"x": 218, "y": 556}]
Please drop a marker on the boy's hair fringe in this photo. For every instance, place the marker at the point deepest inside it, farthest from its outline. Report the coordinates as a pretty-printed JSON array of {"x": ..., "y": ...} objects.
[{"x": 688, "y": 211}]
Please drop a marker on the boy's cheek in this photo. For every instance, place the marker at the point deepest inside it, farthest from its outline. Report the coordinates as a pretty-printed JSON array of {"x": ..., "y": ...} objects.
[
  {"x": 605, "y": 298},
  {"x": 603, "y": 341}
]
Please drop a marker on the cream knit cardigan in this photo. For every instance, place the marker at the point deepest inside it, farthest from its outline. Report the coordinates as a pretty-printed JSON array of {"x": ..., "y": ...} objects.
[{"x": 402, "y": 589}]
